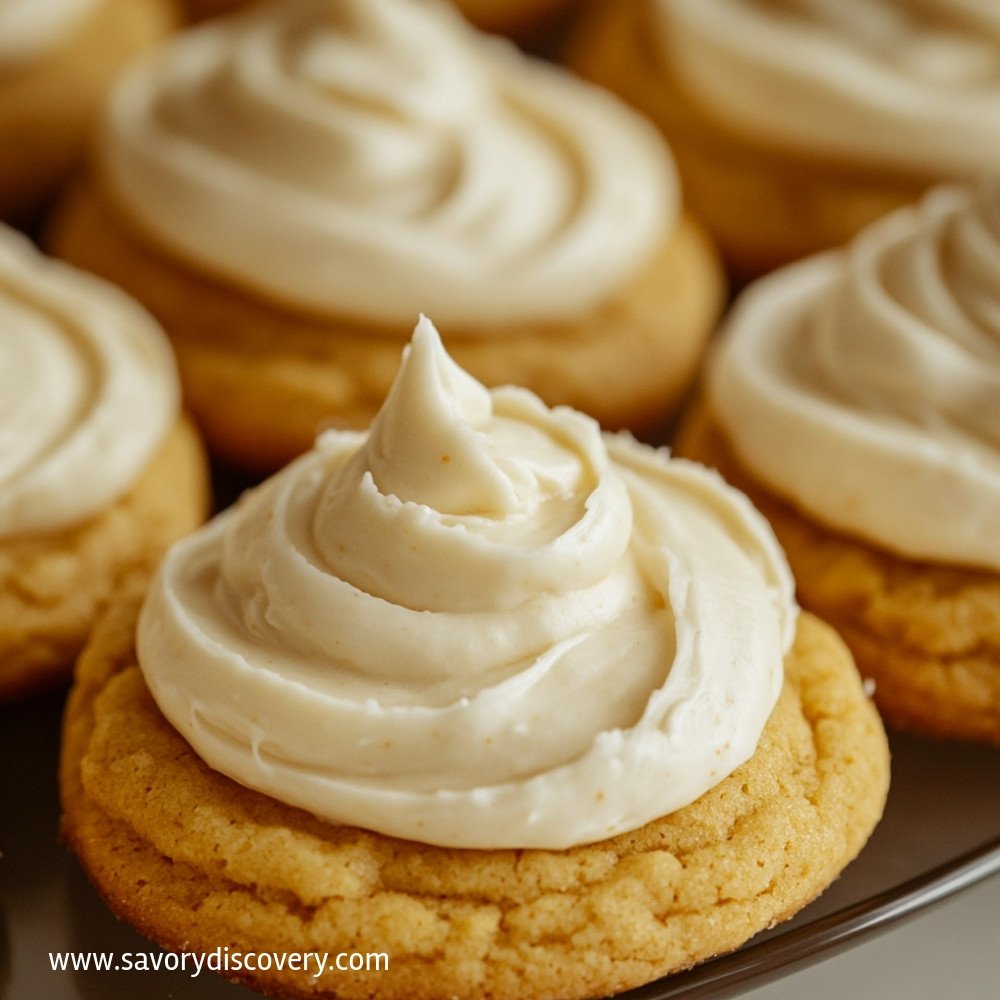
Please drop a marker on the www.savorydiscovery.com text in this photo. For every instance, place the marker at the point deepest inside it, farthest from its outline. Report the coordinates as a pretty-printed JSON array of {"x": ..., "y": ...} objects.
[{"x": 222, "y": 960}]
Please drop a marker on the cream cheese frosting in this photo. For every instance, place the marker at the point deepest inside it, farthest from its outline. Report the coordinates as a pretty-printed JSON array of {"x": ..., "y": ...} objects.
[
  {"x": 864, "y": 385},
  {"x": 372, "y": 158},
  {"x": 32, "y": 28},
  {"x": 88, "y": 390},
  {"x": 482, "y": 623},
  {"x": 903, "y": 83}
]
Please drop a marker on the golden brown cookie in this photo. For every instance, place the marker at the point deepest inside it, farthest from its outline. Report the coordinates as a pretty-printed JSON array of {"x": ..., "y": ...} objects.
[
  {"x": 262, "y": 379},
  {"x": 48, "y": 103},
  {"x": 53, "y": 586},
  {"x": 195, "y": 860},
  {"x": 285, "y": 248},
  {"x": 928, "y": 635},
  {"x": 764, "y": 204}
]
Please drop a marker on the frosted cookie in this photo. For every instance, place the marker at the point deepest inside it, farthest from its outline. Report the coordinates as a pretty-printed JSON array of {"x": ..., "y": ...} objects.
[
  {"x": 97, "y": 471},
  {"x": 286, "y": 189},
  {"x": 856, "y": 398},
  {"x": 795, "y": 124},
  {"x": 57, "y": 60},
  {"x": 526, "y": 704}
]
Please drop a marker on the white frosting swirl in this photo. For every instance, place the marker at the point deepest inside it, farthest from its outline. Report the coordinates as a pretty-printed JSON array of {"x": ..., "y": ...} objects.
[
  {"x": 865, "y": 385},
  {"x": 372, "y": 158},
  {"x": 32, "y": 28},
  {"x": 88, "y": 390},
  {"x": 906, "y": 83},
  {"x": 480, "y": 624}
]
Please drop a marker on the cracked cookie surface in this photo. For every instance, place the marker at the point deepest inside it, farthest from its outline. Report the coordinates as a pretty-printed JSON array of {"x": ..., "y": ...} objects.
[{"x": 197, "y": 861}]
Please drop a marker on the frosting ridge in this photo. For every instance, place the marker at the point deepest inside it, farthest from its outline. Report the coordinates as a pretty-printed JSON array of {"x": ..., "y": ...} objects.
[
  {"x": 480, "y": 624},
  {"x": 88, "y": 390},
  {"x": 411, "y": 163},
  {"x": 865, "y": 384}
]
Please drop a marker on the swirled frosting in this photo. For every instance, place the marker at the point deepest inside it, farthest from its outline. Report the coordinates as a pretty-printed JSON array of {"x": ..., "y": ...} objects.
[
  {"x": 906, "y": 83},
  {"x": 479, "y": 624},
  {"x": 88, "y": 389},
  {"x": 865, "y": 384},
  {"x": 31, "y": 28},
  {"x": 372, "y": 158}
]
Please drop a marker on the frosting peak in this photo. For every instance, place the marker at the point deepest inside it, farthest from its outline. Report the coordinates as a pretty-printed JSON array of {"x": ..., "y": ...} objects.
[
  {"x": 551, "y": 637},
  {"x": 511, "y": 497},
  {"x": 409, "y": 163},
  {"x": 450, "y": 466}
]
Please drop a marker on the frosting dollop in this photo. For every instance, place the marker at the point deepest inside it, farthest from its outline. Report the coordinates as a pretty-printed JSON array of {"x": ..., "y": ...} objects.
[
  {"x": 32, "y": 28},
  {"x": 482, "y": 623},
  {"x": 88, "y": 390},
  {"x": 906, "y": 83},
  {"x": 865, "y": 384},
  {"x": 372, "y": 158}
]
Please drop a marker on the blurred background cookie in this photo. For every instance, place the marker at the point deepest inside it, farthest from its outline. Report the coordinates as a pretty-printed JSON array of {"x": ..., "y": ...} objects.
[
  {"x": 856, "y": 397},
  {"x": 98, "y": 472},
  {"x": 57, "y": 60},
  {"x": 795, "y": 124},
  {"x": 289, "y": 189}
]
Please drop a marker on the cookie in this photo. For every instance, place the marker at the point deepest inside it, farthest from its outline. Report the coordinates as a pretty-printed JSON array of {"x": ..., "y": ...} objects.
[
  {"x": 794, "y": 128},
  {"x": 284, "y": 271},
  {"x": 57, "y": 62},
  {"x": 856, "y": 394},
  {"x": 99, "y": 472},
  {"x": 194, "y": 859},
  {"x": 529, "y": 703}
]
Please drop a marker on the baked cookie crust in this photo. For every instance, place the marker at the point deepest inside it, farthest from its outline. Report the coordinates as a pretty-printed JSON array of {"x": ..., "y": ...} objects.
[
  {"x": 261, "y": 380},
  {"x": 54, "y": 586},
  {"x": 928, "y": 635},
  {"x": 196, "y": 861}
]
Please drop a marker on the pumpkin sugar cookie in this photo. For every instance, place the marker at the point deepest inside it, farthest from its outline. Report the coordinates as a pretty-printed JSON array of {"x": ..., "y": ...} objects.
[
  {"x": 99, "y": 471},
  {"x": 284, "y": 248},
  {"x": 430, "y": 691},
  {"x": 797, "y": 124},
  {"x": 854, "y": 398},
  {"x": 57, "y": 61}
]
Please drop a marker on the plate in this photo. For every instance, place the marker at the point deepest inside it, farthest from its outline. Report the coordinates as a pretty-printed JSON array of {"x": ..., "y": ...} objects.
[{"x": 940, "y": 835}]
